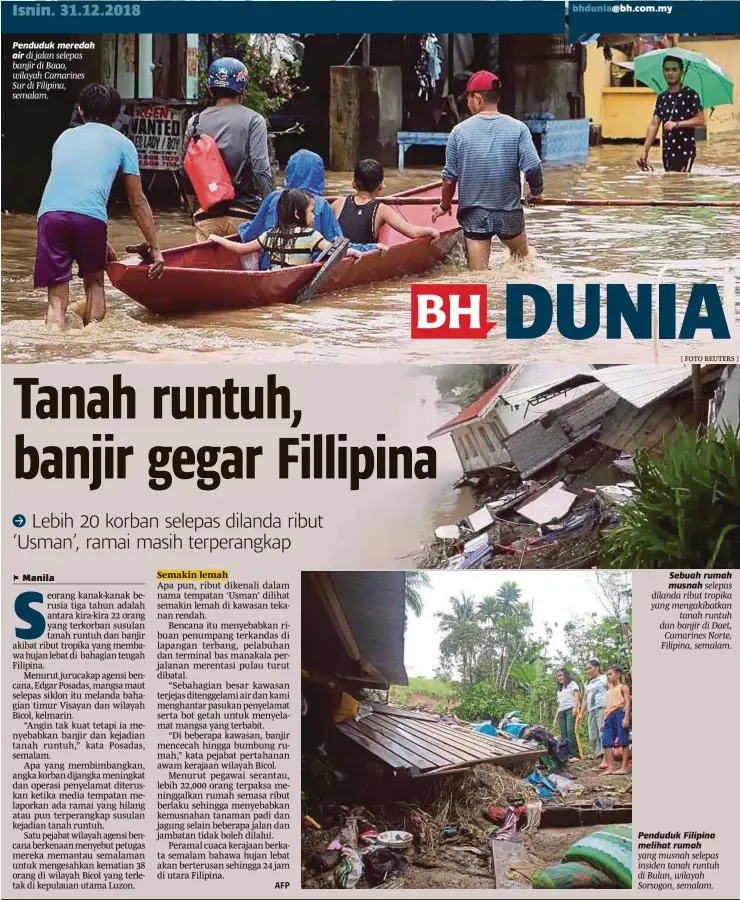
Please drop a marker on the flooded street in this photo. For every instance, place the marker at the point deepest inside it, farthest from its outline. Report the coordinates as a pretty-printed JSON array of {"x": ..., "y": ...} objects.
[{"x": 576, "y": 245}]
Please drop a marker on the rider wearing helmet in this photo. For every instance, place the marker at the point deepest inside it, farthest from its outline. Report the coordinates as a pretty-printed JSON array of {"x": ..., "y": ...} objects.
[{"x": 241, "y": 136}]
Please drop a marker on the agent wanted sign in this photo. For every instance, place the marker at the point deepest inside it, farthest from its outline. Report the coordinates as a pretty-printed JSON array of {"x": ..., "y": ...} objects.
[{"x": 158, "y": 132}]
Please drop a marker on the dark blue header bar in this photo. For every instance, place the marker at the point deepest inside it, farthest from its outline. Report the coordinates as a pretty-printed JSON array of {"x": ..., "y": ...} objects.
[
  {"x": 309, "y": 16},
  {"x": 693, "y": 16},
  {"x": 372, "y": 16}
]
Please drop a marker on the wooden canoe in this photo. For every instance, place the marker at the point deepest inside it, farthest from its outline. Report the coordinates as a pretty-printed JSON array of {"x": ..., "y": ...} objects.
[{"x": 200, "y": 277}]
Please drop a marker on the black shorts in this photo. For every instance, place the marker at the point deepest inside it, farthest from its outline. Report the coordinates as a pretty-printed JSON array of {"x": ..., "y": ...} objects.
[
  {"x": 680, "y": 162},
  {"x": 481, "y": 224}
]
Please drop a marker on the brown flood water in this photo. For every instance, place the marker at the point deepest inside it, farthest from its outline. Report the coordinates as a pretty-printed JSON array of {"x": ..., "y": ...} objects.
[{"x": 372, "y": 324}]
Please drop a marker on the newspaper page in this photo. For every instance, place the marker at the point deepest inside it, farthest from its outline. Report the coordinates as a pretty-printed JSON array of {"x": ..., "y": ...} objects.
[{"x": 371, "y": 448}]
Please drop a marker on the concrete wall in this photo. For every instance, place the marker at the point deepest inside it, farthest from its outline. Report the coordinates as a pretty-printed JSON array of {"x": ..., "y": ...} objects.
[
  {"x": 544, "y": 87},
  {"x": 596, "y": 77},
  {"x": 627, "y": 112},
  {"x": 726, "y": 53},
  {"x": 365, "y": 114}
]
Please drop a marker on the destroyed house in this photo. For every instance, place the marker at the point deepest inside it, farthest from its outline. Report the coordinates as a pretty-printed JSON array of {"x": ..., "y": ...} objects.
[
  {"x": 530, "y": 425},
  {"x": 480, "y": 432},
  {"x": 352, "y": 639},
  {"x": 641, "y": 406}
]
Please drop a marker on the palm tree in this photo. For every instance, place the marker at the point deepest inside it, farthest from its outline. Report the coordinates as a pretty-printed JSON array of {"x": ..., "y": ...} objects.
[
  {"x": 489, "y": 613},
  {"x": 508, "y": 595},
  {"x": 461, "y": 628},
  {"x": 415, "y": 581}
]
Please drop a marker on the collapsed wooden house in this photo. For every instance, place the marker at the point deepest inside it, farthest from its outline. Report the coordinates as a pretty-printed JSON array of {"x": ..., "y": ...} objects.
[{"x": 352, "y": 639}]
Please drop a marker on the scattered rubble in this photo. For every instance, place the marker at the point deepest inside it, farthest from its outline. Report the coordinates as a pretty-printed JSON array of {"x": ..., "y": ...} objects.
[{"x": 553, "y": 522}]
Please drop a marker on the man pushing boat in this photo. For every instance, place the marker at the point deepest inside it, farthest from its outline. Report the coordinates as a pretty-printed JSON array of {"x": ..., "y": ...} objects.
[
  {"x": 73, "y": 216},
  {"x": 485, "y": 155}
]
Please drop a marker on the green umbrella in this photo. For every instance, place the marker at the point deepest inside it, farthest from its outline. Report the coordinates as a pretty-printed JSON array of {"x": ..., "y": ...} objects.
[{"x": 705, "y": 77}]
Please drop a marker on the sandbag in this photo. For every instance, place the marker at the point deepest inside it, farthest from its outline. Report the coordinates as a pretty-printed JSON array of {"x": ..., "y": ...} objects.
[
  {"x": 609, "y": 850},
  {"x": 572, "y": 875}
]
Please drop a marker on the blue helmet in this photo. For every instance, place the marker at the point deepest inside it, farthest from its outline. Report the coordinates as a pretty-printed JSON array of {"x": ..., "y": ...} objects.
[{"x": 228, "y": 73}]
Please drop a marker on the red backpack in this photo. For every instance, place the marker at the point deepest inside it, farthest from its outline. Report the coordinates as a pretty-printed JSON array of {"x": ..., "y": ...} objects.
[{"x": 206, "y": 169}]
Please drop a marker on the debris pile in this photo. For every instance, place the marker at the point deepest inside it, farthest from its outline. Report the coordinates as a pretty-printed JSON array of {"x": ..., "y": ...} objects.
[
  {"x": 553, "y": 522},
  {"x": 485, "y": 827}
]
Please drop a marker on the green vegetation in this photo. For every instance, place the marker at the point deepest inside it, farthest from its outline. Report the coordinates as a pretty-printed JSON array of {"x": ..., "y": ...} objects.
[
  {"x": 687, "y": 510},
  {"x": 491, "y": 664},
  {"x": 462, "y": 384},
  {"x": 415, "y": 581},
  {"x": 424, "y": 691},
  {"x": 267, "y": 91}
]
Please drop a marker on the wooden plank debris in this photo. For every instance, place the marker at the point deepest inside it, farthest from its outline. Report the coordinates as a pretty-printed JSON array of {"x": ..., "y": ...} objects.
[{"x": 423, "y": 745}]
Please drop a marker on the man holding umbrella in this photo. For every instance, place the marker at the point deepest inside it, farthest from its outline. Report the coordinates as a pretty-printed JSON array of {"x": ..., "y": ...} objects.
[{"x": 680, "y": 111}]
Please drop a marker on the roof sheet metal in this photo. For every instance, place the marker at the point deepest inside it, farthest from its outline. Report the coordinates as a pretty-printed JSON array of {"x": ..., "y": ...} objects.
[
  {"x": 544, "y": 440},
  {"x": 520, "y": 393},
  {"x": 641, "y": 385},
  {"x": 375, "y": 608},
  {"x": 551, "y": 505},
  {"x": 422, "y": 745}
]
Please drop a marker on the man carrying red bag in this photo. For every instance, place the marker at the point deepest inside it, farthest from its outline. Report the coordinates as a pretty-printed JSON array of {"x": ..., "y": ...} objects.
[{"x": 238, "y": 153}]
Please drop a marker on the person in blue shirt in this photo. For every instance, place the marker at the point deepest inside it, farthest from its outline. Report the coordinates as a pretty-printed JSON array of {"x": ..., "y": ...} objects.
[
  {"x": 305, "y": 172},
  {"x": 73, "y": 216}
]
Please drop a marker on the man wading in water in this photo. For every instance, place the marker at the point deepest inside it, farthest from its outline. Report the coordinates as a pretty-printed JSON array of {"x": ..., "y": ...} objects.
[
  {"x": 73, "y": 216},
  {"x": 485, "y": 155},
  {"x": 679, "y": 109}
]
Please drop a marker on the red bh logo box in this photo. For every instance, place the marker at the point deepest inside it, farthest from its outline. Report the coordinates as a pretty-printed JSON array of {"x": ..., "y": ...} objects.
[{"x": 449, "y": 311}]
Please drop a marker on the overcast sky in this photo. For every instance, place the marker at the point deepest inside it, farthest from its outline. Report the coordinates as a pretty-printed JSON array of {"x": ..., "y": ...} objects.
[{"x": 558, "y": 597}]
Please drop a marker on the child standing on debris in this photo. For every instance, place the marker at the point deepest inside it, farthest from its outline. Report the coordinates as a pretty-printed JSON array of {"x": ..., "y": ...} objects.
[
  {"x": 568, "y": 700},
  {"x": 616, "y": 722}
]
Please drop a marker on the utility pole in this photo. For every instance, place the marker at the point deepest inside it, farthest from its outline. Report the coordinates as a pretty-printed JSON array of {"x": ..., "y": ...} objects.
[{"x": 697, "y": 393}]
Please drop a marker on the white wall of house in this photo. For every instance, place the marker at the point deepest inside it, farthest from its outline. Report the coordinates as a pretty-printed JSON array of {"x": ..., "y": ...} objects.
[
  {"x": 479, "y": 443},
  {"x": 479, "y": 446}
]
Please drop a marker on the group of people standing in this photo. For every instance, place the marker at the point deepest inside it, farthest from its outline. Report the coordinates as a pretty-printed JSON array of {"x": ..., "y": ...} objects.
[{"x": 606, "y": 704}]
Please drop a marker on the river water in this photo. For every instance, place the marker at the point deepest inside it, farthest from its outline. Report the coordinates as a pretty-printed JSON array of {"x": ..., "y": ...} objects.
[{"x": 571, "y": 244}]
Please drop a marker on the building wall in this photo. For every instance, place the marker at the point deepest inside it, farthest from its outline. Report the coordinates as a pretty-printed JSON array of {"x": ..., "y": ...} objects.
[
  {"x": 726, "y": 53},
  {"x": 627, "y": 112},
  {"x": 478, "y": 447},
  {"x": 596, "y": 77},
  {"x": 545, "y": 86}
]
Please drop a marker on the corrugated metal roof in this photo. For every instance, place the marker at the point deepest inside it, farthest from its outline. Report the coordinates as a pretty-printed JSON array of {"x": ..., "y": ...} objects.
[
  {"x": 519, "y": 393},
  {"x": 544, "y": 440},
  {"x": 641, "y": 385},
  {"x": 422, "y": 745},
  {"x": 374, "y": 605},
  {"x": 630, "y": 429},
  {"x": 352, "y": 625}
]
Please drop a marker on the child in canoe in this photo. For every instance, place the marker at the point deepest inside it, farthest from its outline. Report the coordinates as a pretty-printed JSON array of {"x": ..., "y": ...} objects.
[
  {"x": 293, "y": 241},
  {"x": 361, "y": 215}
]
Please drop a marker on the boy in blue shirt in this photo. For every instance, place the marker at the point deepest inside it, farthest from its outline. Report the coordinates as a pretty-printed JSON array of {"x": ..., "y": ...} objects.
[{"x": 73, "y": 216}]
